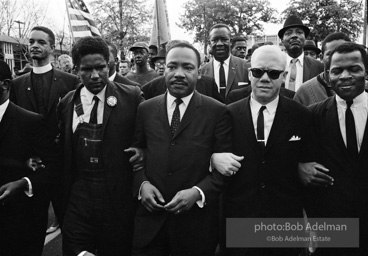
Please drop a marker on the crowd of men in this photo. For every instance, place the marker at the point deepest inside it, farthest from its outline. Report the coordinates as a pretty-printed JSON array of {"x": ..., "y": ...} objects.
[{"x": 154, "y": 161}]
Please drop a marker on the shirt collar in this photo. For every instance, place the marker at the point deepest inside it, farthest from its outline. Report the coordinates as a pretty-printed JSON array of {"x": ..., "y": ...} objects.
[
  {"x": 112, "y": 77},
  {"x": 218, "y": 63},
  {"x": 271, "y": 106},
  {"x": 43, "y": 69},
  {"x": 357, "y": 101},
  {"x": 3, "y": 108},
  {"x": 101, "y": 95},
  {"x": 300, "y": 58},
  {"x": 171, "y": 99}
]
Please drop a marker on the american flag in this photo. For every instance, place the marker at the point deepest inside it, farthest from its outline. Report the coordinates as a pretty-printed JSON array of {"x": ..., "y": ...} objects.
[{"x": 81, "y": 21}]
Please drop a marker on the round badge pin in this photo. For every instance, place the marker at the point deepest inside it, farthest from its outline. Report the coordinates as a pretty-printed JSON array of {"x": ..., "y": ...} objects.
[{"x": 111, "y": 101}]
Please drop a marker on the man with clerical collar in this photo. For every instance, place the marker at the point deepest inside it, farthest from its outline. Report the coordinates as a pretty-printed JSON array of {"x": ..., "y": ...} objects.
[
  {"x": 97, "y": 123},
  {"x": 41, "y": 90}
]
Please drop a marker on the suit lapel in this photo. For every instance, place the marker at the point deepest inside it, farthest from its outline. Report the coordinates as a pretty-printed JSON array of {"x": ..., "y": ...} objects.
[
  {"x": 191, "y": 112},
  {"x": 231, "y": 74},
  {"x": 162, "y": 114},
  {"x": 246, "y": 123},
  {"x": 110, "y": 92},
  {"x": 29, "y": 90},
  {"x": 364, "y": 146},
  {"x": 54, "y": 90},
  {"x": 307, "y": 69},
  {"x": 7, "y": 119}
]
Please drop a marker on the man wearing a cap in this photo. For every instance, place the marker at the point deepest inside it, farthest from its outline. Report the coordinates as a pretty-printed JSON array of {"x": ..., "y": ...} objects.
[
  {"x": 310, "y": 49},
  {"x": 300, "y": 68},
  {"x": 143, "y": 74},
  {"x": 159, "y": 62}
]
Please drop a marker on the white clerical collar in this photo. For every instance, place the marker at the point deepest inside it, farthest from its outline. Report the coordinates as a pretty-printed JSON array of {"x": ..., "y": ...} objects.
[
  {"x": 111, "y": 78},
  {"x": 43, "y": 69}
]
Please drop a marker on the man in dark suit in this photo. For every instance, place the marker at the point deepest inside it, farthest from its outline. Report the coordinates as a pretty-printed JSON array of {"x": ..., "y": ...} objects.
[
  {"x": 113, "y": 75},
  {"x": 272, "y": 133},
  {"x": 342, "y": 149},
  {"x": 23, "y": 204},
  {"x": 97, "y": 124},
  {"x": 205, "y": 85},
  {"x": 229, "y": 72},
  {"x": 41, "y": 90},
  {"x": 179, "y": 210},
  {"x": 300, "y": 68}
]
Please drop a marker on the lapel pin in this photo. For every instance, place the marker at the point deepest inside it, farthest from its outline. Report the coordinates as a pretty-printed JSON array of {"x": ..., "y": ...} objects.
[
  {"x": 29, "y": 88},
  {"x": 111, "y": 101}
]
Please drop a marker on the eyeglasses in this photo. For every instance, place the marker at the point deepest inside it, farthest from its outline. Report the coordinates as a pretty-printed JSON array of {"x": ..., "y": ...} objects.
[{"x": 272, "y": 73}]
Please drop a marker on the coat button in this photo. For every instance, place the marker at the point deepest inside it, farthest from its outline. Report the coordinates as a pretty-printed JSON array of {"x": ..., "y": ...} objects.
[
  {"x": 172, "y": 143},
  {"x": 263, "y": 185},
  {"x": 170, "y": 173}
]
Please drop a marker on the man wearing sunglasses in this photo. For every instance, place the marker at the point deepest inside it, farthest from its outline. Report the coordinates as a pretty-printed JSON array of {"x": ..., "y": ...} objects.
[{"x": 272, "y": 132}]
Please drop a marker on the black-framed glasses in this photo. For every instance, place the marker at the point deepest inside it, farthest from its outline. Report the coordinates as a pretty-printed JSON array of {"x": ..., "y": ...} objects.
[{"x": 272, "y": 73}]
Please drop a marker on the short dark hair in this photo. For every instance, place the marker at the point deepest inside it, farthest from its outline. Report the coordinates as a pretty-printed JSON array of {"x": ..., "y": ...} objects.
[
  {"x": 114, "y": 49},
  {"x": 334, "y": 37},
  {"x": 237, "y": 39},
  {"x": 349, "y": 47},
  {"x": 5, "y": 72},
  {"x": 89, "y": 45},
  {"x": 48, "y": 32},
  {"x": 185, "y": 44},
  {"x": 220, "y": 25},
  {"x": 126, "y": 61}
]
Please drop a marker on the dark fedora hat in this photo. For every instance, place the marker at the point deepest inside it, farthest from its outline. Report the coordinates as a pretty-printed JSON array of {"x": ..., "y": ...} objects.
[
  {"x": 161, "y": 55},
  {"x": 311, "y": 45},
  {"x": 293, "y": 21}
]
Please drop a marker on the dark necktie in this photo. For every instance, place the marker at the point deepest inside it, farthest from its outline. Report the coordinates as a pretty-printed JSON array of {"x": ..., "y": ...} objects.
[
  {"x": 260, "y": 126},
  {"x": 175, "y": 121},
  {"x": 93, "y": 117},
  {"x": 351, "y": 139},
  {"x": 222, "y": 80}
]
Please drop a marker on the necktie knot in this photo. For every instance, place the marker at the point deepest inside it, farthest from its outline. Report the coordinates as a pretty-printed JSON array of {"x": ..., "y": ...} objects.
[
  {"x": 293, "y": 61},
  {"x": 349, "y": 103},
  {"x": 261, "y": 109},
  {"x": 178, "y": 101}
]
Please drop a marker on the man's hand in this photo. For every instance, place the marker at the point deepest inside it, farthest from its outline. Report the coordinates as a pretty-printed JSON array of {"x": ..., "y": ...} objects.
[
  {"x": 137, "y": 160},
  {"x": 35, "y": 163},
  {"x": 226, "y": 163},
  {"x": 183, "y": 201},
  {"x": 313, "y": 175},
  {"x": 7, "y": 191},
  {"x": 151, "y": 199}
]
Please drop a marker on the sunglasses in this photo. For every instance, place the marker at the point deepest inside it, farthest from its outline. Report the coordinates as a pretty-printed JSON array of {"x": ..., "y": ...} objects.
[{"x": 272, "y": 73}]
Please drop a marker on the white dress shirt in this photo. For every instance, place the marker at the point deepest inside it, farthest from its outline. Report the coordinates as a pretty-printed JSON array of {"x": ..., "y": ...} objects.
[
  {"x": 268, "y": 114},
  {"x": 299, "y": 71},
  {"x": 170, "y": 104},
  {"x": 216, "y": 70},
  {"x": 3, "y": 108},
  {"x": 87, "y": 104},
  {"x": 359, "y": 108}
]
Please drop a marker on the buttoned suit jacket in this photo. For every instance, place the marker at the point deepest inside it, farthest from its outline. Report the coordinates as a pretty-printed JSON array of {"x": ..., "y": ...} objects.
[
  {"x": 22, "y": 94},
  {"x": 23, "y": 220},
  {"x": 312, "y": 68},
  {"x": 205, "y": 85},
  {"x": 181, "y": 162},
  {"x": 238, "y": 73},
  {"x": 347, "y": 198},
  {"x": 123, "y": 80},
  {"x": 117, "y": 130},
  {"x": 267, "y": 183}
]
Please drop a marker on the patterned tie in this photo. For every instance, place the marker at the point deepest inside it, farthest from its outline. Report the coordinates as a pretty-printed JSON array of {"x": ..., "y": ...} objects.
[
  {"x": 175, "y": 121},
  {"x": 292, "y": 74},
  {"x": 93, "y": 117},
  {"x": 222, "y": 80},
  {"x": 351, "y": 139},
  {"x": 260, "y": 126}
]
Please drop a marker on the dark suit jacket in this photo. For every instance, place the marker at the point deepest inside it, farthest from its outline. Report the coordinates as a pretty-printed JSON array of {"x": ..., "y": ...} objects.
[
  {"x": 347, "y": 198},
  {"x": 22, "y": 94},
  {"x": 181, "y": 162},
  {"x": 123, "y": 80},
  {"x": 118, "y": 129},
  {"x": 242, "y": 93},
  {"x": 311, "y": 68},
  {"x": 267, "y": 184},
  {"x": 238, "y": 72},
  {"x": 23, "y": 220},
  {"x": 205, "y": 85}
]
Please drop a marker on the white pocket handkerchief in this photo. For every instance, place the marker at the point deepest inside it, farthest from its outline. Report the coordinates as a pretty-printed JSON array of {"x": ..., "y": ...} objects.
[
  {"x": 295, "y": 138},
  {"x": 242, "y": 83}
]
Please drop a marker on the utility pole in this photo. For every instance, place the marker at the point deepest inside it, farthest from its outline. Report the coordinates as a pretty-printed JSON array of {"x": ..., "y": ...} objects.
[{"x": 19, "y": 22}]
